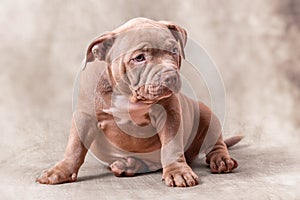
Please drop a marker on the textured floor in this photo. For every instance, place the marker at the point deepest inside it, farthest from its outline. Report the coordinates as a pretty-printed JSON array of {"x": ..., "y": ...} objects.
[{"x": 262, "y": 174}]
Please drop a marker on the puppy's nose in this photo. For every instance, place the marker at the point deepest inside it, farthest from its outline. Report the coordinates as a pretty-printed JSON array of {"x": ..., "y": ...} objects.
[{"x": 170, "y": 80}]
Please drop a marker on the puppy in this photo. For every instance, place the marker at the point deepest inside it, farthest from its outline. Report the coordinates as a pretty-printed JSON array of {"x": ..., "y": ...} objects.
[{"x": 130, "y": 112}]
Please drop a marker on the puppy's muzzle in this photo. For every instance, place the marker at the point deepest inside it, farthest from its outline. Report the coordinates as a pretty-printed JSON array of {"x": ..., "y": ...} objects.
[
  {"x": 169, "y": 80},
  {"x": 161, "y": 86}
]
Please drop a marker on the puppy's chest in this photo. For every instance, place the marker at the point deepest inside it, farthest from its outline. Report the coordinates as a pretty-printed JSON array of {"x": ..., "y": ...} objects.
[
  {"x": 116, "y": 112},
  {"x": 127, "y": 127}
]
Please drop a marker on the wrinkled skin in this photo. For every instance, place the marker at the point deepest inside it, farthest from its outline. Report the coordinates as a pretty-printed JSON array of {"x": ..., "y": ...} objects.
[{"x": 143, "y": 60}]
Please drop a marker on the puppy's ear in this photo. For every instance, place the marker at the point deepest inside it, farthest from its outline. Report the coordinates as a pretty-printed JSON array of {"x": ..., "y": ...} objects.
[
  {"x": 178, "y": 32},
  {"x": 99, "y": 48}
]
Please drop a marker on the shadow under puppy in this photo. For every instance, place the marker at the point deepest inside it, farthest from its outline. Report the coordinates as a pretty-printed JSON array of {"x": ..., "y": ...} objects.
[{"x": 131, "y": 114}]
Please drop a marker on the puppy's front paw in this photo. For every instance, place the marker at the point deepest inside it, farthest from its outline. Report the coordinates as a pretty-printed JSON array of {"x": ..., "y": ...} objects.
[
  {"x": 179, "y": 175},
  {"x": 60, "y": 173}
]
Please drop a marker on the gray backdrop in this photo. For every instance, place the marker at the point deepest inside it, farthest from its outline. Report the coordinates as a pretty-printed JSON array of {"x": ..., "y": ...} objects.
[{"x": 254, "y": 43}]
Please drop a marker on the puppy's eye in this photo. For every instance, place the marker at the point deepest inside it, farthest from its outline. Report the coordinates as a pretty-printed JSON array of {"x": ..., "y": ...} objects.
[
  {"x": 175, "y": 50},
  {"x": 140, "y": 58}
]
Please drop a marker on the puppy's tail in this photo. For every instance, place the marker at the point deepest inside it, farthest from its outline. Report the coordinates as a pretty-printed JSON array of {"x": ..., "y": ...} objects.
[{"x": 233, "y": 140}]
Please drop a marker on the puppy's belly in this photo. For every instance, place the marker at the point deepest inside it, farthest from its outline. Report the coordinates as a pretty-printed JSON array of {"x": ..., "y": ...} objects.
[
  {"x": 111, "y": 146},
  {"x": 130, "y": 142}
]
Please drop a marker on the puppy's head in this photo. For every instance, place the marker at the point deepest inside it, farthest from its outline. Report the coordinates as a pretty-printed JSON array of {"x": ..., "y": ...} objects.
[{"x": 143, "y": 58}]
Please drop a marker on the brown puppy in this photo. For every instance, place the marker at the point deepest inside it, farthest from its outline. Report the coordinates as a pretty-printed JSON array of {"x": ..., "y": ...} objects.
[{"x": 131, "y": 114}]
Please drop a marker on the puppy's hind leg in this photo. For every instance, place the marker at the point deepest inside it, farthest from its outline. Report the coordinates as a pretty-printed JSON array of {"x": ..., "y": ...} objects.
[{"x": 219, "y": 159}]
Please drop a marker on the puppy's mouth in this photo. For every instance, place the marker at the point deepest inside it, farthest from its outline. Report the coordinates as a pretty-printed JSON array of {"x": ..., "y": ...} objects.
[{"x": 150, "y": 93}]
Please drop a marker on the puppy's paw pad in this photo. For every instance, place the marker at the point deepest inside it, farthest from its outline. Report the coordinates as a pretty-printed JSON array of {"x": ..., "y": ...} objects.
[
  {"x": 127, "y": 167},
  {"x": 222, "y": 164}
]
